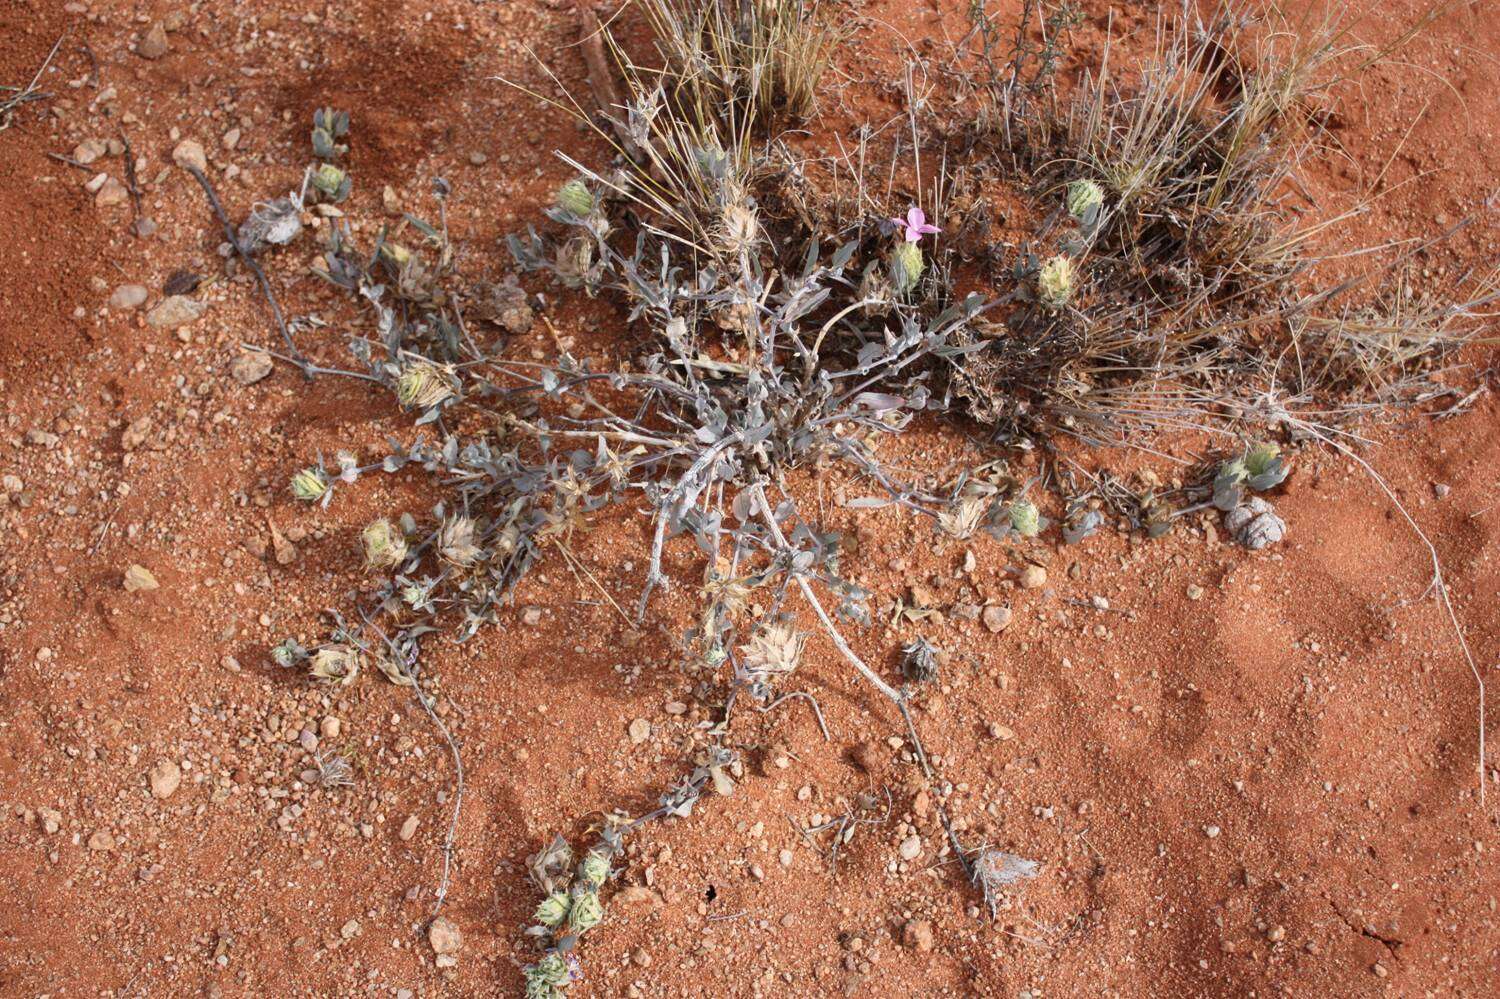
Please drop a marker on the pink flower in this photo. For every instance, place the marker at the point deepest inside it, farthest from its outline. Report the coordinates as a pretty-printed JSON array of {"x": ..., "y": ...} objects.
[{"x": 915, "y": 225}]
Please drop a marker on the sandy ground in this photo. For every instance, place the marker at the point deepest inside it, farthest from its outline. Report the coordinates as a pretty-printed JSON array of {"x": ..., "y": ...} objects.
[{"x": 1252, "y": 774}]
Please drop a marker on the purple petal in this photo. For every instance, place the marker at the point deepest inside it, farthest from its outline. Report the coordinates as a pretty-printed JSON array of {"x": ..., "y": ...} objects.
[
  {"x": 916, "y": 218},
  {"x": 899, "y": 223},
  {"x": 913, "y": 235},
  {"x": 929, "y": 229}
]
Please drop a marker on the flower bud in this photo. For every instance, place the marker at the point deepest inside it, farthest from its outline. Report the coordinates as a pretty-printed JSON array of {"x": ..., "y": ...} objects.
[
  {"x": 574, "y": 197},
  {"x": 1054, "y": 282},
  {"x": 586, "y": 913},
  {"x": 1084, "y": 198},
  {"x": 309, "y": 484},
  {"x": 385, "y": 545},
  {"x": 906, "y": 266},
  {"x": 395, "y": 254},
  {"x": 422, "y": 385},
  {"x": 553, "y": 910}
]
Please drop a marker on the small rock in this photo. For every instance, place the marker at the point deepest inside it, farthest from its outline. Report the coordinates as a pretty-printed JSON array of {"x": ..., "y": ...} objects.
[
  {"x": 101, "y": 841},
  {"x": 189, "y": 155},
  {"x": 408, "y": 830},
  {"x": 1002, "y": 732},
  {"x": 250, "y": 366},
  {"x": 89, "y": 150},
  {"x": 675, "y": 708},
  {"x": 51, "y": 820},
  {"x": 1441, "y": 490},
  {"x": 231, "y": 139},
  {"x": 997, "y": 618},
  {"x": 1212, "y": 832},
  {"x": 155, "y": 44},
  {"x": 633, "y": 895},
  {"x": 175, "y": 311},
  {"x": 917, "y": 934},
  {"x": 330, "y": 727},
  {"x": 531, "y": 617},
  {"x": 165, "y": 778},
  {"x": 478, "y": 159},
  {"x": 444, "y": 936},
  {"x": 911, "y": 848},
  {"x": 138, "y": 577},
  {"x": 1194, "y": 592},
  {"x": 1033, "y": 577},
  {"x": 640, "y": 731},
  {"x": 350, "y": 930},
  {"x": 111, "y": 193},
  {"x": 128, "y": 296}
]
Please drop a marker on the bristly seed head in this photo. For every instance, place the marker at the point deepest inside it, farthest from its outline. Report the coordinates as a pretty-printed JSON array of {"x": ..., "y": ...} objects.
[
  {"x": 738, "y": 228},
  {"x": 422, "y": 385},
  {"x": 586, "y": 912},
  {"x": 1025, "y": 518},
  {"x": 576, "y": 198},
  {"x": 1084, "y": 198},
  {"x": 384, "y": 544},
  {"x": 553, "y": 910},
  {"x": 906, "y": 266},
  {"x": 1054, "y": 282}
]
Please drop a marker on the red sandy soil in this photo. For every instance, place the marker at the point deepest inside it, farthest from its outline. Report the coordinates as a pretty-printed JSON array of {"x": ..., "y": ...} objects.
[{"x": 1253, "y": 774}]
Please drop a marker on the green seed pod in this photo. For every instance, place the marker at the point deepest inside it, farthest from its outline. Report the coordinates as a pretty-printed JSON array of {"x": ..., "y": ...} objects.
[
  {"x": 384, "y": 545},
  {"x": 586, "y": 913},
  {"x": 422, "y": 386},
  {"x": 309, "y": 484},
  {"x": 1025, "y": 518},
  {"x": 553, "y": 910},
  {"x": 575, "y": 197},
  {"x": 594, "y": 868},
  {"x": 1054, "y": 282},
  {"x": 906, "y": 266},
  {"x": 1084, "y": 199}
]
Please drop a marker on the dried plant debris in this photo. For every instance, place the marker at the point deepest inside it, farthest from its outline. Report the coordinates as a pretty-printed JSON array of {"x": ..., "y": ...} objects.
[
  {"x": 1254, "y": 524},
  {"x": 994, "y": 871}
]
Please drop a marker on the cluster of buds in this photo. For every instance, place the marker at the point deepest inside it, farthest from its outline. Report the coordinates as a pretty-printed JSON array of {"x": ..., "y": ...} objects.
[
  {"x": 1055, "y": 282},
  {"x": 547, "y": 978},
  {"x": 422, "y": 385},
  {"x": 384, "y": 544}
]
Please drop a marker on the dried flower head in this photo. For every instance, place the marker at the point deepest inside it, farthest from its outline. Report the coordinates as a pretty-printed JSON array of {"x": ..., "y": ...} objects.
[
  {"x": 919, "y": 661},
  {"x": 456, "y": 542},
  {"x": 1084, "y": 198},
  {"x": 422, "y": 385},
  {"x": 775, "y": 648},
  {"x": 1054, "y": 282},
  {"x": 738, "y": 228},
  {"x": 384, "y": 544},
  {"x": 575, "y": 198},
  {"x": 335, "y": 664},
  {"x": 906, "y": 266},
  {"x": 309, "y": 484},
  {"x": 575, "y": 261},
  {"x": 964, "y": 517},
  {"x": 875, "y": 289}
]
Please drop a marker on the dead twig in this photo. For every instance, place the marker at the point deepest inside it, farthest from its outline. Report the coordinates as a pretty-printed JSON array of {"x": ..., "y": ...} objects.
[
  {"x": 297, "y": 357},
  {"x": 23, "y": 95}
]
